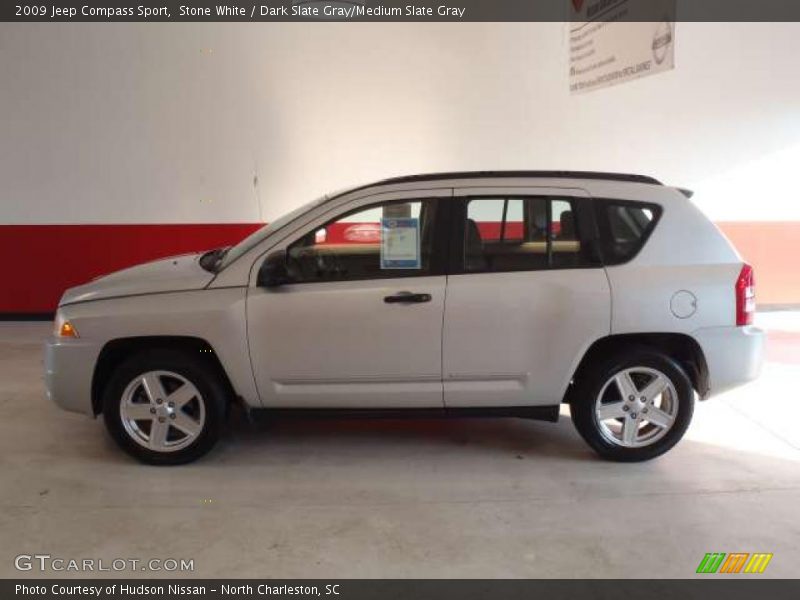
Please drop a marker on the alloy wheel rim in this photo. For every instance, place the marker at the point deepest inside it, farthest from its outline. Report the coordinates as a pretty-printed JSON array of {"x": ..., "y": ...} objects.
[
  {"x": 636, "y": 407},
  {"x": 162, "y": 411}
]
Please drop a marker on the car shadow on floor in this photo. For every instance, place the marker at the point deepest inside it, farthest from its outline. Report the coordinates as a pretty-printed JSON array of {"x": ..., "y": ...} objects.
[{"x": 375, "y": 438}]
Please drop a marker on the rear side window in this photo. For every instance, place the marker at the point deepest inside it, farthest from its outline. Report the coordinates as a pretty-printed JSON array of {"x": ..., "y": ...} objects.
[
  {"x": 505, "y": 234},
  {"x": 625, "y": 227}
]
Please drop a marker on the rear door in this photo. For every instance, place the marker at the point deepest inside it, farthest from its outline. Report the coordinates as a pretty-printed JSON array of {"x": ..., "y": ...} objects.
[{"x": 526, "y": 295}]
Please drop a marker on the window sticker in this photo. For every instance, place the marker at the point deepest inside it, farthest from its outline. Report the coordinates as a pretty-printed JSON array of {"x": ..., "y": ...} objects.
[{"x": 400, "y": 243}]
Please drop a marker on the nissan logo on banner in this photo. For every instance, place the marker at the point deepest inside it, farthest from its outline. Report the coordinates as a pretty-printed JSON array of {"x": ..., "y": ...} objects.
[{"x": 615, "y": 41}]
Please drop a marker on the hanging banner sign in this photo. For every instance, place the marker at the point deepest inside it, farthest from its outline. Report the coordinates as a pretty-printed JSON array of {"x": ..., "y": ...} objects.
[{"x": 615, "y": 41}]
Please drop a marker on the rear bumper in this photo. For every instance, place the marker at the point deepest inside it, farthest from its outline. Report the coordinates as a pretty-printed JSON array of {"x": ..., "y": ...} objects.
[
  {"x": 734, "y": 355},
  {"x": 68, "y": 370}
]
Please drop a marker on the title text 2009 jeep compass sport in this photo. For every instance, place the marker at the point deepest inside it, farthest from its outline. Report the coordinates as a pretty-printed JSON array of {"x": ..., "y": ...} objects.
[{"x": 493, "y": 293}]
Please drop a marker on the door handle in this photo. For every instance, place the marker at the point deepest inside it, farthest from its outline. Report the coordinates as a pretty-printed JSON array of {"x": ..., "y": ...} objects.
[{"x": 407, "y": 298}]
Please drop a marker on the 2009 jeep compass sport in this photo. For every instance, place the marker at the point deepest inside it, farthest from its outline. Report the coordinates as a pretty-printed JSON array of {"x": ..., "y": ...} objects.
[{"x": 494, "y": 293}]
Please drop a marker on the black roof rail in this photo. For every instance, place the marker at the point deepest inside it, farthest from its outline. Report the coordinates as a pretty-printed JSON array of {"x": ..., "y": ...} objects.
[{"x": 625, "y": 177}]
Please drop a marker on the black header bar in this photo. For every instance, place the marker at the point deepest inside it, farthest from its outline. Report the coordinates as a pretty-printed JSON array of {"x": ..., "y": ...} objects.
[{"x": 384, "y": 10}]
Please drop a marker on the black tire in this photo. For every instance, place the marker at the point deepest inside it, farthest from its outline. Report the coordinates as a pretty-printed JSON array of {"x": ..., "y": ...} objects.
[
  {"x": 590, "y": 384},
  {"x": 196, "y": 370}
]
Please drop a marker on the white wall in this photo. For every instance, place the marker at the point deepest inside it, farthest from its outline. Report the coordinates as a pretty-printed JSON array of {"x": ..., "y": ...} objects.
[{"x": 138, "y": 123}]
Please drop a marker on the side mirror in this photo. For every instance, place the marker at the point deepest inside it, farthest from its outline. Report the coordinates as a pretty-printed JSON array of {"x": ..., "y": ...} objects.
[{"x": 273, "y": 271}]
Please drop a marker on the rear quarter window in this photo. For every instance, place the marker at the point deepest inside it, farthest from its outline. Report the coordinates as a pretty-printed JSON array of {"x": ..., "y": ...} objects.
[{"x": 625, "y": 227}]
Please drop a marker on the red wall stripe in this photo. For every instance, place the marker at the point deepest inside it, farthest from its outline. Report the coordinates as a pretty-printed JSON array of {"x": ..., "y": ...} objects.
[
  {"x": 352, "y": 232},
  {"x": 40, "y": 261},
  {"x": 773, "y": 248}
]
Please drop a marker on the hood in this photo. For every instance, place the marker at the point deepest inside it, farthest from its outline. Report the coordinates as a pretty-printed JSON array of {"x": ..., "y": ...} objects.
[{"x": 174, "y": 274}]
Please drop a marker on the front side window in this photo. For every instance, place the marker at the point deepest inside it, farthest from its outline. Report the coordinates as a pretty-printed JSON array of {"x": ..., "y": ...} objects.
[
  {"x": 258, "y": 236},
  {"x": 393, "y": 239},
  {"x": 522, "y": 234}
]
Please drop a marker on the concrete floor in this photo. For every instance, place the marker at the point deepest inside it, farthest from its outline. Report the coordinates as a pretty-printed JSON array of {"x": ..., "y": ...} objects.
[{"x": 464, "y": 498}]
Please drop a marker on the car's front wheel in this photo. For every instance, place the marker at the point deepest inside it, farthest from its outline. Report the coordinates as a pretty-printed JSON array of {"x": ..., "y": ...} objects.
[
  {"x": 164, "y": 407},
  {"x": 634, "y": 406}
]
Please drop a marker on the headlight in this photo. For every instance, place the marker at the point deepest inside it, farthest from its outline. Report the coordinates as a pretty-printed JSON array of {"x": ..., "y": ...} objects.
[{"x": 63, "y": 328}]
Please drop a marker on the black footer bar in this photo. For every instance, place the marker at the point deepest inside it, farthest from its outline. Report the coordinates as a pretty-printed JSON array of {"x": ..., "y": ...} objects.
[{"x": 734, "y": 588}]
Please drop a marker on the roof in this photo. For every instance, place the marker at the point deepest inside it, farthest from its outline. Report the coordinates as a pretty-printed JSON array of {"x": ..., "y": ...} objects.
[
  {"x": 595, "y": 175},
  {"x": 625, "y": 177}
]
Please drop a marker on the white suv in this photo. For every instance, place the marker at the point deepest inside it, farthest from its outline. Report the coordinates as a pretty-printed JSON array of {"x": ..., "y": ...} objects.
[{"x": 488, "y": 294}]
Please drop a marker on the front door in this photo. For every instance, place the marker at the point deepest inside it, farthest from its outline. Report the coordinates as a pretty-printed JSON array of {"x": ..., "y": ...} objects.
[
  {"x": 527, "y": 296},
  {"x": 359, "y": 324}
]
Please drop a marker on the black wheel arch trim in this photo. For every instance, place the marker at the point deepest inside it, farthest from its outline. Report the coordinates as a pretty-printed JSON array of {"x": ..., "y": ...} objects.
[
  {"x": 115, "y": 351},
  {"x": 681, "y": 347}
]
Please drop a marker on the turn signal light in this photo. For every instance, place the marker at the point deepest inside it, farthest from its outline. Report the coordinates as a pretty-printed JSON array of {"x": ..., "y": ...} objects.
[{"x": 67, "y": 330}]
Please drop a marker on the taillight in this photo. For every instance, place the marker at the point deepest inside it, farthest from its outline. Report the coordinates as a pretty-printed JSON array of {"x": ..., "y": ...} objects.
[{"x": 745, "y": 297}]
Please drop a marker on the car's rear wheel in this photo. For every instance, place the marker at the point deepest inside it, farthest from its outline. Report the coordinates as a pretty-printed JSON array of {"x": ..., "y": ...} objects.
[
  {"x": 634, "y": 406},
  {"x": 164, "y": 407}
]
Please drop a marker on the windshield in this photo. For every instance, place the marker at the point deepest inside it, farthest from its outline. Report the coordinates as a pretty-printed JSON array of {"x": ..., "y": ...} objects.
[{"x": 255, "y": 238}]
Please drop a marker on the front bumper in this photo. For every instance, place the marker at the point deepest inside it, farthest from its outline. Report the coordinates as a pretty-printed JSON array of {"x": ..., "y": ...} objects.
[
  {"x": 734, "y": 355},
  {"x": 68, "y": 370}
]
